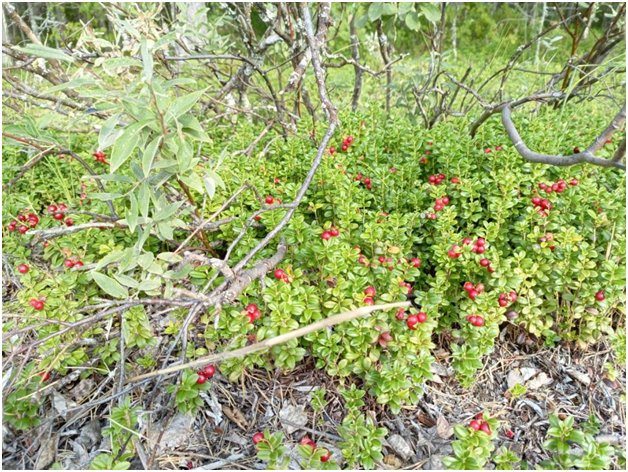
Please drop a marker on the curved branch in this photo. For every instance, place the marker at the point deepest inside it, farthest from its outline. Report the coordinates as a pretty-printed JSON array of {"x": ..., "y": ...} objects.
[{"x": 532, "y": 156}]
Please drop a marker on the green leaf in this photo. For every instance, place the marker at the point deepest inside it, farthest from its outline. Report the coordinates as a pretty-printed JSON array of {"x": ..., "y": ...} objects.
[
  {"x": 126, "y": 144},
  {"x": 430, "y": 11},
  {"x": 412, "y": 21},
  {"x": 149, "y": 155},
  {"x": 181, "y": 105},
  {"x": 109, "y": 285},
  {"x": 133, "y": 214},
  {"x": 405, "y": 7},
  {"x": 147, "y": 60},
  {"x": 108, "y": 133},
  {"x": 375, "y": 11},
  {"x": 210, "y": 185},
  {"x": 45, "y": 52},
  {"x": 76, "y": 83},
  {"x": 115, "y": 62}
]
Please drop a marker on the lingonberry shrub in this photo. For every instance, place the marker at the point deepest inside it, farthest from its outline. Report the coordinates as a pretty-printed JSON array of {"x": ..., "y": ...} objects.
[
  {"x": 473, "y": 445},
  {"x": 388, "y": 237}
]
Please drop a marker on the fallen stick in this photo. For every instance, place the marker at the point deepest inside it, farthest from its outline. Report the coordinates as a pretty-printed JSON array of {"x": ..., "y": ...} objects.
[{"x": 268, "y": 343}]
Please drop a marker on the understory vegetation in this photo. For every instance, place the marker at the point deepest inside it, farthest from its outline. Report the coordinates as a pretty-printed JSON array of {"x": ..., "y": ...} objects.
[{"x": 158, "y": 217}]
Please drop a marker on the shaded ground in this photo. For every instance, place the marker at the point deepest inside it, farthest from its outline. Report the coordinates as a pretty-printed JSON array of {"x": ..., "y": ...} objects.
[{"x": 560, "y": 380}]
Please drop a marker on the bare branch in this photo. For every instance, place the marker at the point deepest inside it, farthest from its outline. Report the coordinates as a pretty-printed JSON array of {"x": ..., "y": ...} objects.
[{"x": 531, "y": 156}]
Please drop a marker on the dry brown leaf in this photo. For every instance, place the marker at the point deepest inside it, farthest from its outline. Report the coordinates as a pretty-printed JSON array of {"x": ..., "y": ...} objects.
[
  {"x": 443, "y": 428},
  {"x": 236, "y": 416}
]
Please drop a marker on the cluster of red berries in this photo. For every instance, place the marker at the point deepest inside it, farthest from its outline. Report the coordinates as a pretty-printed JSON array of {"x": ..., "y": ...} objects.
[
  {"x": 308, "y": 442},
  {"x": 484, "y": 262},
  {"x": 280, "y": 274},
  {"x": 476, "y": 320},
  {"x": 386, "y": 260},
  {"x": 100, "y": 157},
  {"x": 332, "y": 233},
  {"x": 207, "y": 373},
  {"x": 473, "y": 290},
  {"x": 478, "y": 424},
  {"x": 507, "y": 298},
  {"x": 440, "y": 203},
  {"x": 57, "y": 213},
  {"x": 31, "y": 218},
  {"x": 407, "y": 286},
  {"x": 542, "y": 205},
  {"x": 489, "y": 150},
  {"x": 346, "y": 143},
  {"x": 37, "y": 304},
  {"x": 365, "y": 180},
  {"x": 252, "y": 312},
  {"x": 370, "y": 293},
  {"x": 436, "y": 179},
  {"x": 270, "y": 200},
  {"x": 69, "y": 263},
  {"x": 559, "y": 187},
  {"x": 413, "y": 320}
]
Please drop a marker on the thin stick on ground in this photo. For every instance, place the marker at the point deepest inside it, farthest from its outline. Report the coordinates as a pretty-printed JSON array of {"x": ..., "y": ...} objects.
[{"x": 268, "y": 343}]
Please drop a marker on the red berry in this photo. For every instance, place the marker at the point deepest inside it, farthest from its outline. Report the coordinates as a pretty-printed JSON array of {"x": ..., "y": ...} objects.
[
  {"x": 189, "y": 465},
  {"x": 454, "y": 180},
  {"x": 326, "y": 235},
  {"x": 358, "y": 177},
  {"x": 58, "y": 216},
  {"x": 344, "y": 147},
  {"x": 488, "y": 151},
  {"x": 22, "y": 268},
  {"x": 68, "y": 263},
  {"x": 38, "y": 305},
  {"x": 599, "y": 296},
  {"x": 369, "y": 291},
  {"x": 421, "y": 317},
  {"x": 251, "y": 308},
  {"x": 452, "y": 253},
  {"x": 513, "y": 296},
  {"x": 473, "y": 293},
  {"x": 33, "y": 302},
  {"x": 468, "y": 286},
  {"x": 485, "y": 262},
  {"x": 22, "y": 229},
  {"x": 52, "y": 208},
  {"x": 257, "y": 217},
  {"x": 381, "y": 259},
  {"x": 510, "y": 434},
  {"x": 416, "y": 262},
  {"x": 486, "y": 428},
  {"x": 401, "y": 314},
  {"x": 502, "y": 302},
  {"x": 368, "y": 301},
  {"x": 536, "y": 201},
  {"x": 201, "y": 378},
  {"x": 280, "y": 274},
  {"x": 209, "y": 371},
  {"x": 258, "y": 438},
  {"x": 466, "y": 241},
  {"x": 69, "y": 221},
  {"x": 334, "y": 231},
  {"x": 367, "y": 181},
  {"x": 362, "y": 260},
  {"x": 445, "y": 200},
  {"x": 44, "y": 376},
  {"x": 480, "y": 287},
  {"x": 480, "y": 249},
  {"x": 269, "y": 200},
  {"x": 479, "y": 321},
  {"x": 573, "y": 182},
  {"x": 412, "y": 321},
  {"x": 62, "y": 207},
  {"x": 438, "y": 207},
  {"x": 475, "y": 425},
  {"x": 498, "y": 148},
  {"x": 307, "y": 442},
  {"x": 332, "y": 150},
  {"x": 21, "y": 218},
  {"x": 326, "y": 457}
]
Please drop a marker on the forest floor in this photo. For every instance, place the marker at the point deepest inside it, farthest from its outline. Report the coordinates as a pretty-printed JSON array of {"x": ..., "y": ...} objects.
[{"x": 560, "y": 380}]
